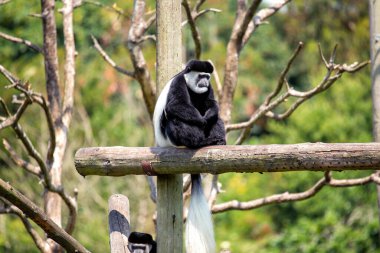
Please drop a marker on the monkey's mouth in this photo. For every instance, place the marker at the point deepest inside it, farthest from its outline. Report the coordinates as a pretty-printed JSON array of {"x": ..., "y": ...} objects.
[{"x": 203, "y": 83}]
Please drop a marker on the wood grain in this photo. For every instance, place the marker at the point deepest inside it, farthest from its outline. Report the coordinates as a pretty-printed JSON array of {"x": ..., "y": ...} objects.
[{"x": 120, "y": 161}]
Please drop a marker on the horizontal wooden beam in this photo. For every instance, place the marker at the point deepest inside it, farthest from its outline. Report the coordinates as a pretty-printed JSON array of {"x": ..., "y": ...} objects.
[{"x": 120, "y": 161}]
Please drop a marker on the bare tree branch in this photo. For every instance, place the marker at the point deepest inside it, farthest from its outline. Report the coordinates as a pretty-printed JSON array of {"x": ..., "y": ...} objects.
[
  {"x": 11, "y": 209},
  {"x": 147, "y": 37},
  {"x": 198, "y": 5},
  {"x": 13, "y": 119},
  {"x": 112, "y": 8},
  {"x": 248, "y": 15},
  {"x": 109, "y": 60},
  {"x": 69, "y": 66},
  {"x": 39, "y": 99},
  {"x": 217, "y": 80},
  {"x": 4, "y": 2},
  {"x": 215, "y": 190},
  {"x": 150, "y": 21},
  {"x": 283, "y": 75},
  {"x": 245, "y": 23},
  {"x": 136, "y": 32},
  {"x": 29, "y": 167},
  {"x": 21, "y": 41},
  {"x": 288, "y": 197},
  {"x": 52, "y": 169},
  {"x": 334, "y": 72},
  {"x": 51, "y": 57},
  {"x": 194, "y": 30},
  {"x": 201, "y": 13},
  {"x": 261, "y": 16},
  {"x": 277, "y": 198},
  {"x": 40, "y": 218},
  {"x": 234, "y": 47}
]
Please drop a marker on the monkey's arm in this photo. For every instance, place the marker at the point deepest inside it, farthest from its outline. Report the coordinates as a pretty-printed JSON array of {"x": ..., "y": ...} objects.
[
  {"x": 212, "y": 113},
  {"x": 185, "y": 112}
]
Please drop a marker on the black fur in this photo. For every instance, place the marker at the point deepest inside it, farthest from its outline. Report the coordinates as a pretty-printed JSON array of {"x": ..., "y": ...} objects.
[
  {"x": 139, "y": 239},
  {"x": 200, "y": 66},
  {"x": 192, "y": 119}
]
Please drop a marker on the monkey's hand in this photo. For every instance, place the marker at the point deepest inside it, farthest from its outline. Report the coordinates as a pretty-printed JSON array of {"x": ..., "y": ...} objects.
[{"x": 211, "y": 116}]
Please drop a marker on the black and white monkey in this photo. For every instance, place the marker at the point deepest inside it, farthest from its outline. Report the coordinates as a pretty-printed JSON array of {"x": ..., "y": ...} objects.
[{"x": 187, "y": 114}]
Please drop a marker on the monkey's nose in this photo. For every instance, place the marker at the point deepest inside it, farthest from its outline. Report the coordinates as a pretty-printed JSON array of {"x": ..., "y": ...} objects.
[{"x": 206, "y": 75}]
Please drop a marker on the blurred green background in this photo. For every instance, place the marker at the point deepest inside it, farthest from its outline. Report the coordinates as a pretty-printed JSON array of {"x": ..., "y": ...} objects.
[{"x": 109, "y": 111}]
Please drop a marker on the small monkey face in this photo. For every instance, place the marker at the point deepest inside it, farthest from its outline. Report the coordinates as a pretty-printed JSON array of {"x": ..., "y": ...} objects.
[{"x": 198, "y": 82}]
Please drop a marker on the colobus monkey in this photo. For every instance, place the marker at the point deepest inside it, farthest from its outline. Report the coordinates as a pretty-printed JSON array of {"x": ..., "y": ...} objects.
[
  {"x": 187, "y": 114},
  {"x": 141, "y": 243}
]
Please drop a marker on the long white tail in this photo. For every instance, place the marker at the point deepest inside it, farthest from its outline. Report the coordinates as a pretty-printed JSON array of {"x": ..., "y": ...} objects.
[{"x": 199, "y": 227}]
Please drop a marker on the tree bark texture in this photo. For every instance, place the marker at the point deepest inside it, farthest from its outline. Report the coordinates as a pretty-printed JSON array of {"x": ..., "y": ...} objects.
[
  {"x": 40, "y": 218},
  {"x": 120, "y": 161},
  {"x": 169, "y": 187},
  {"x": 142, "y": 75},
  {"x": 119, "y": 223},
  {"x": 374, "y": 10},
  {"x": 52, "y": 200}
]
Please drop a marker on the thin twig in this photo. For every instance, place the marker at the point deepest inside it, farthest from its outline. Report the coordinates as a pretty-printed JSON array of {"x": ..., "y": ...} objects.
[
  {"x": 202, "y": 12},
  {"x": 113, "y": 8},
  {"x": 21, "y": 41},
  {"x": 194, "y": 30},
  {"x": 283, "y": 74},
  {"x": 246, "y": 20},
  {"x": 215, "y": 190},
  {"x": 109, "y": 60},
  {"x": 289, "y": 197},
  {"x": 29, "y": 167},
  {"x": 217, "y": 80},
  {"x": 12, "y": 209},
  {"x": 150, "y": 21},
  {"x": 199, "y": 14},
  {"x": 37, "y": 98},
  {"x": 13, "y": 119},
  {"x": 198, "y": 5},
  {"x": 334, "y": 72},
  {"x": 147, "y": 37},
  {"x": 260, "y": 17},
  {"x": 39, "y": 217}
]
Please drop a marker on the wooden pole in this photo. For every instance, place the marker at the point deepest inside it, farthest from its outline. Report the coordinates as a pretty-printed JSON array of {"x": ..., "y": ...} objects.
[
  {"x": 118, "y": 223},
  {"x": 169, "y": 187},
  {"x": 374, "y": 10},
  {"x": 120, "y": 161}
]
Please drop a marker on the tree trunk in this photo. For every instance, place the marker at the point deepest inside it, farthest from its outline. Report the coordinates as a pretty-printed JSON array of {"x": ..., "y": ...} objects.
[{"x": 374, "y": 10}]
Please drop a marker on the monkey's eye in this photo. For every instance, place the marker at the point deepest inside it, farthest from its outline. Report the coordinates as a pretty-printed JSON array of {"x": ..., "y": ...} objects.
[{"x": 188, "y": 69}]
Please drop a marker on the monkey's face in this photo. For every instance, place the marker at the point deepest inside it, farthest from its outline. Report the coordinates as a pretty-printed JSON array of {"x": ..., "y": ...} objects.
[{"x": 198, "y": 82}]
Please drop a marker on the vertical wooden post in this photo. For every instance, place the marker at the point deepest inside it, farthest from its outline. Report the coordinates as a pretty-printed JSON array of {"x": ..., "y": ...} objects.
[
  {"x": 169, "y": 187},
  {"x": 374, "y": 11},
  {"x": 375, "y": 65},
  {"x": 118, "y": 223}
]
